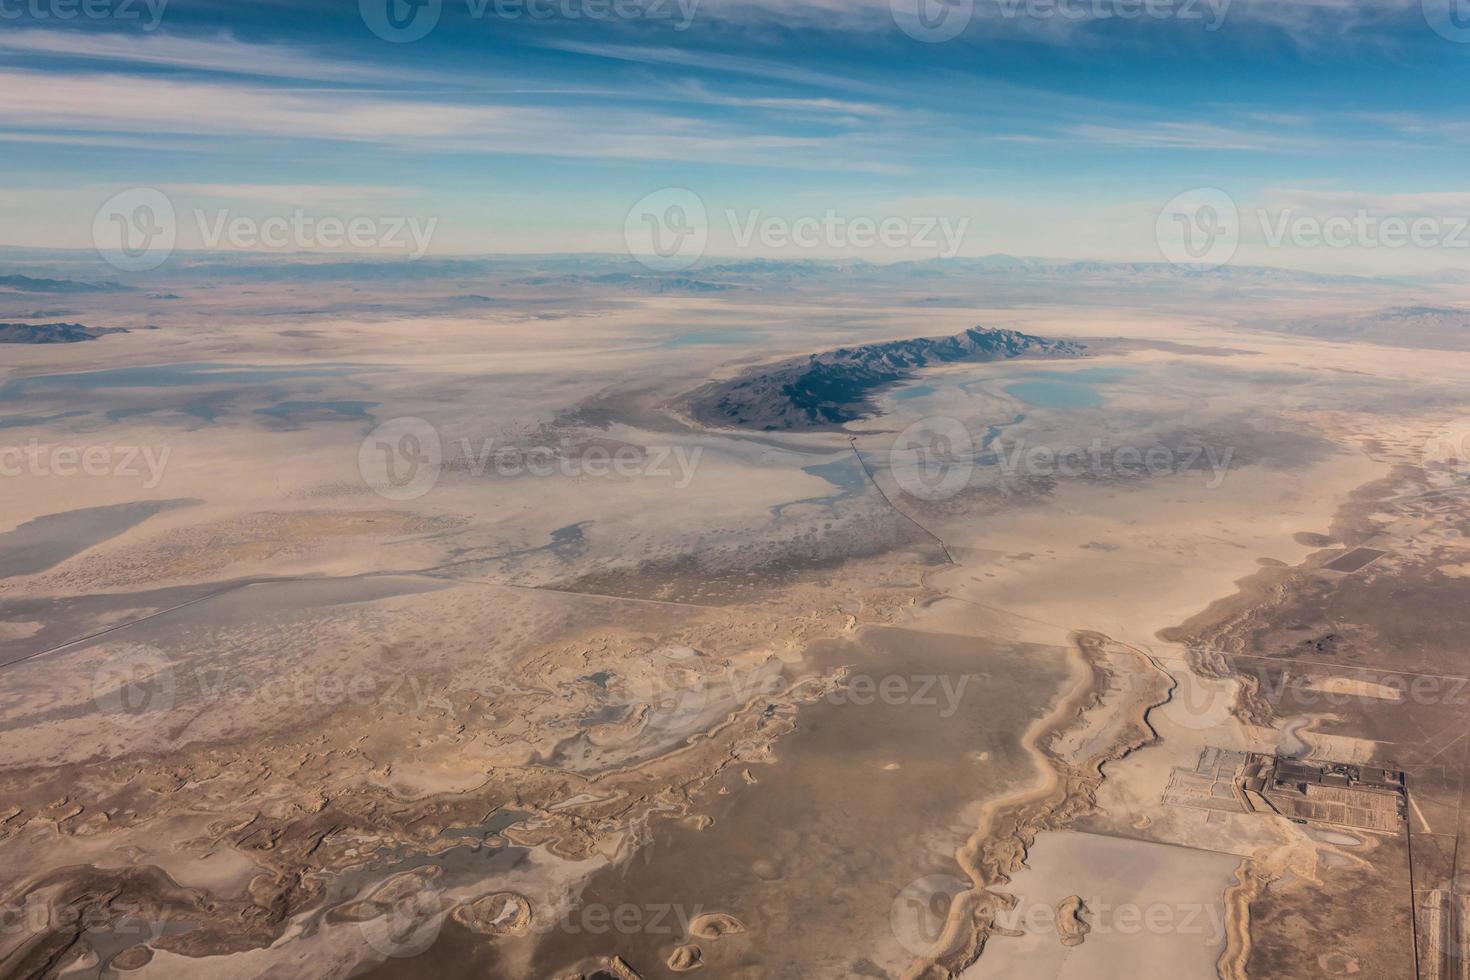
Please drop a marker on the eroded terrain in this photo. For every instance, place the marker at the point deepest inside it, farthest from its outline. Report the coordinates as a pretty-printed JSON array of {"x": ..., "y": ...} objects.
[{"x": 410, "y": 633}]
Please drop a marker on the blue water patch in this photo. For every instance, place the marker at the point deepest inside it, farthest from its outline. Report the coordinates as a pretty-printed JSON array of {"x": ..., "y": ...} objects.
[
  {"x": 45, "y": 542},
  {"x": 704, "y": 338},
  {"x": 294, "y": 413},
  {"x": 1055, "y": 394},
  {"x": 206, "y": 409},
  {"x": 846, "y": 474},
  {"x": 22, "y": 421},
  {"x": 1086, "y": 374},
  {"x": 167, "y": 376},
  {"x": 917, "y": 391}
]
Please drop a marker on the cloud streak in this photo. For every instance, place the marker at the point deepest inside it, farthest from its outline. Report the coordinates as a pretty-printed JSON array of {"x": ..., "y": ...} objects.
[{"x": 111, "y": 104}]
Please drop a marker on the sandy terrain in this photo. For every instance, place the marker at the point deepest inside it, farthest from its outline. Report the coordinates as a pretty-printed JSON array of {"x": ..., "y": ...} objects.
[
  {"x": 267, "y": 707},
  {"x": 1152, "y": 910}
]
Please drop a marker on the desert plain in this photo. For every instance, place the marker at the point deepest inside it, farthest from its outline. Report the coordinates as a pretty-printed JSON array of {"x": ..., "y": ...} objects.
[{"x": 362, "y": 626}]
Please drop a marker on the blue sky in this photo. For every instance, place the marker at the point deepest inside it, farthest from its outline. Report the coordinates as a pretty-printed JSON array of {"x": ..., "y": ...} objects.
[{"x": 1054, "y": 132}]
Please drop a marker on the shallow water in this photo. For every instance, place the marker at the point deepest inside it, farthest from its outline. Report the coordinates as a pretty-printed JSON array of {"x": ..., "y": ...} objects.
[
  {"x": 1056, "y": 394},
  {"x": 48, "y": 541},
  {"x": 167, "y": 376},
  {"x": 705, "y": 338}
]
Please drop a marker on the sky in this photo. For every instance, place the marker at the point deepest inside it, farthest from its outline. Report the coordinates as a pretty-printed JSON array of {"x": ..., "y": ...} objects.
[{"x": 1333, "y": 133}]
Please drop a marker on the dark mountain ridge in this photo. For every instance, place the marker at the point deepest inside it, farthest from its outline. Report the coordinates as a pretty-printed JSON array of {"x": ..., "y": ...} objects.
[
  {"x": 829, "y": 389},
  {"x": 52, "y": 333}
]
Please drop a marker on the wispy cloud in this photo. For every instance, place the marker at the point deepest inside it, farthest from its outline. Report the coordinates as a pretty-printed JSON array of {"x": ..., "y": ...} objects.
[
  {"x": 1308, "y": 23},
  {"x": 294, "y": 194},
  {"x": 1177, "y": 135},
  {"x": 130, "y": 104},
  {"x": 218, "y": 54},
  {"x": 716, "y": 61}
]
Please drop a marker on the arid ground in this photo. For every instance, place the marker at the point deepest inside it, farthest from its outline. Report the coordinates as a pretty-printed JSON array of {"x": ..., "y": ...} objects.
[{"x": 431, "y": 627}]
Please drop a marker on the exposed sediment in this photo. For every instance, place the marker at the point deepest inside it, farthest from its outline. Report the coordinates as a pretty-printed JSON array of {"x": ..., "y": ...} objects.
[
  {"x": 1116, "y": 688},
  {"x": 1072, "y": 928}
]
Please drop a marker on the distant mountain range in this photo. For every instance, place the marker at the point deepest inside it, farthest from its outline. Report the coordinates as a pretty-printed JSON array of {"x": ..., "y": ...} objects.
[
  {"x": 31, "y": 284},
  {"x": 85, "y": 273},
  {"x": 1422, "y": 327},
  {"x": 656, "y": 284},
  {"x": 828, "y": 390}
]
